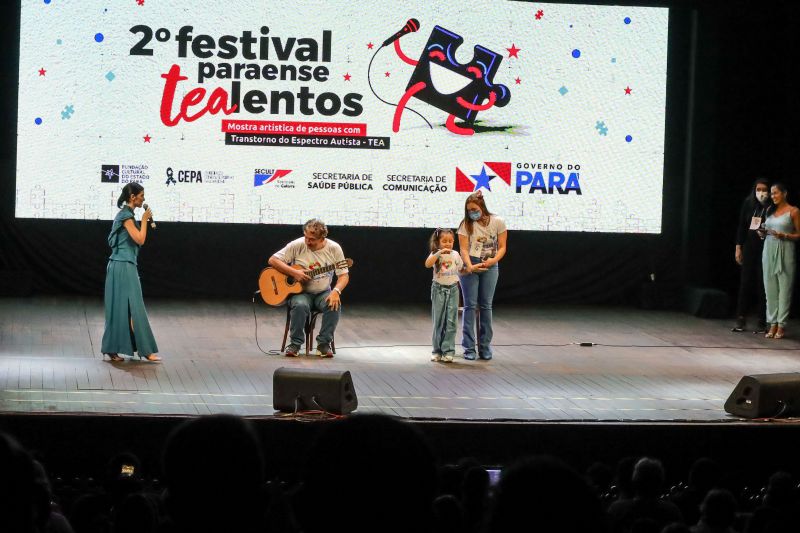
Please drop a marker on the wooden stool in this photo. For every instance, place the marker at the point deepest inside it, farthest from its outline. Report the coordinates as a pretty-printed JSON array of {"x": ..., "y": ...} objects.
[{"x": 311, "y": 322}]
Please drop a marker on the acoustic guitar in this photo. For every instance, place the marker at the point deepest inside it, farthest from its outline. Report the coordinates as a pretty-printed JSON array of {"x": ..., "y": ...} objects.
[{"x": 276, "y": 287}]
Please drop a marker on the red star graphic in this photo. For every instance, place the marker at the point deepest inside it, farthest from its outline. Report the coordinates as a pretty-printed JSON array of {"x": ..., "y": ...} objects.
[
  {"x": 147, "y": 136},
  {"x": 387, "y": 74},
  {"x": 369, "y": 46},
  {"x": 347, "y": 77},
  {"x": 513, "y": 51},
  {"x": 539, "y": 14},
  {"x": 42, "y": 71},
  {"x": 518, "y": 80},
  {"x": 140, "y": 2},
  {"x": 627, "y": 90}
]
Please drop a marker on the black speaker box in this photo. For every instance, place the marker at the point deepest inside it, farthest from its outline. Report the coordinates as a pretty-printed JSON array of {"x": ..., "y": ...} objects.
[
  {"x": 766, "y": 396},
  {"x": 304, "y": 389},
  {"x": 705, "y": 302}
]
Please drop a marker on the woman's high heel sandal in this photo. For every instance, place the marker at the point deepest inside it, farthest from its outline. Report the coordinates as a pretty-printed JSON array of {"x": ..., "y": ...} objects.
[
  {"x": 779, "y": 333},
  {"x": 772, "y": 330},
  {"x": 114, "y": 357}
]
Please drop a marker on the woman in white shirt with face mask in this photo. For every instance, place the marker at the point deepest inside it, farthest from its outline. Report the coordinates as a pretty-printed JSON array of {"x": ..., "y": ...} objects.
[{"x": 482, "y": 239}]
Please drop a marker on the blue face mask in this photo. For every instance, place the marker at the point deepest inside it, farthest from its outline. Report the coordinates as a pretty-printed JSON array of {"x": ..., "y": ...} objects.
[{"x": 475, "y": 214}]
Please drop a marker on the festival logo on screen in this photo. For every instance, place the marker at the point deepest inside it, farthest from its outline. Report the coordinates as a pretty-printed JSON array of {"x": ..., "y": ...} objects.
[
  {"x": 274, "y": 57},
  {"x": 461, "y": 90},
  {"x": 123, "y": 173},
  {"x": 296, "y": 68},
  {"x": 264, "y": 176},
  {"x": 544, "y": 178}
]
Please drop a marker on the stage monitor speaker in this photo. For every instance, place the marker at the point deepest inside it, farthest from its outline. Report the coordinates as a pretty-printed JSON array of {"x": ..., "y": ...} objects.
[
  {"x": 766, "y": 396},
  {"x": 706, "y": 302},
  {"x": 303, "y": 389}
]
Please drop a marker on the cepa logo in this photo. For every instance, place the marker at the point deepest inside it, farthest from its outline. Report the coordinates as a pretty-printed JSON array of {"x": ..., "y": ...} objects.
[
  {"x": 262, "y": 176},
  {"x": 466, "y": 182}
]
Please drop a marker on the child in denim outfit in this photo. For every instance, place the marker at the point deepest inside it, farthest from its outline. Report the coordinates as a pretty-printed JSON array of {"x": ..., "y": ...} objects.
[{"x": 446, "y": 264}]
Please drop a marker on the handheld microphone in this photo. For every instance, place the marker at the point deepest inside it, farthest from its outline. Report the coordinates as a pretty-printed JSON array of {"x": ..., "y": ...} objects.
[
  {"x": 411, "y": 26},
  {"x": 152, "y": 222}
]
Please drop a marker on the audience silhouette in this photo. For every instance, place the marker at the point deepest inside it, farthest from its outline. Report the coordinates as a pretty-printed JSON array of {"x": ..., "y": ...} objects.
[
  {"x": 214, "y": 476},
  {"x": 647, "y": 505},
  {"x": 542, "y": 494},
  {"x": 368, "y": 473},
  {"x": 374, "y": 473}
]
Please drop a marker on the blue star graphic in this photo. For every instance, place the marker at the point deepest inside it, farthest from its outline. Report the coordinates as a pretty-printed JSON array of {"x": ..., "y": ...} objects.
[{"x": 482, "y": 179}]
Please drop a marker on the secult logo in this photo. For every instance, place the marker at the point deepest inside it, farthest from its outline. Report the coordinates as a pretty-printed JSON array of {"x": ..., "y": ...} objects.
[{"x": 262, "y": 176}]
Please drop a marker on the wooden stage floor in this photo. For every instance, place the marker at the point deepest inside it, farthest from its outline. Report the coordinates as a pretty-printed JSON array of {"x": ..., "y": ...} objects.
[{"x": 645, "y": 366}]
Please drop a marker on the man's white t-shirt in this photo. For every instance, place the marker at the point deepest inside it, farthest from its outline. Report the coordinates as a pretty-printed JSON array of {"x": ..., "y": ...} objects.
[
  {"x": 297, "y": 253},
  {"x": 483, "y": 242}
]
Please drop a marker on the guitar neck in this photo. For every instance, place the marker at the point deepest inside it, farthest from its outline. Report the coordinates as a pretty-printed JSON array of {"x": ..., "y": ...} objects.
[{"x": 321, "y": 270}]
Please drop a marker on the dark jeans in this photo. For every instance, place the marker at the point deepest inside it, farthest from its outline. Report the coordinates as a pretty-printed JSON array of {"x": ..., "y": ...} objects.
[{"x": 751, "y": 284}]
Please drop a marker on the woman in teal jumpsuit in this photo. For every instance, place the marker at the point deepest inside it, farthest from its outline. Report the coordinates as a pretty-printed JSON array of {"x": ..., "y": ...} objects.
[
  {"x": 782, "y": 228},
  {"x": 127, "y": 328}
]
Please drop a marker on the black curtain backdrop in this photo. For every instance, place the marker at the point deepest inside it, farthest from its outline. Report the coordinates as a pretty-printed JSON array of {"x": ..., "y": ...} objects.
[{"x": 745, "y": 116}]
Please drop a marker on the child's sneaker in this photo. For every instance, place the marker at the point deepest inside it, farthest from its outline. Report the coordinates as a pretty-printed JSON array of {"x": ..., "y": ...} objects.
[
  {"x": 447, "y": 358},
  {"x": 436, "y": 357}
]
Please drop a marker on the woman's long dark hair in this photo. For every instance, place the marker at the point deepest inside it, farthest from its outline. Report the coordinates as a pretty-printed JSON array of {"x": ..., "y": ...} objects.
[
  {"x": 781, "y": 187},
  {"x": 751, "y": 200},
  {"x": 131, "y": 188}
]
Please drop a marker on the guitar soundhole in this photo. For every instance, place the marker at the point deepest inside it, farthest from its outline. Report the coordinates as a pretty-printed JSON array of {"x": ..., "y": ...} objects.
[{"x": 290, "y": 281}]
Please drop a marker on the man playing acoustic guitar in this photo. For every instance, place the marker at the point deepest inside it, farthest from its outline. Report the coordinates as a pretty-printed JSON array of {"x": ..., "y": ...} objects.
[{"x": 312, "y": 251}]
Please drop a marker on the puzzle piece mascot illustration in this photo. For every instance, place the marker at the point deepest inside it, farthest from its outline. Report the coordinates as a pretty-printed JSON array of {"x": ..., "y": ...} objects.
[{"x": 477, "y": 90}]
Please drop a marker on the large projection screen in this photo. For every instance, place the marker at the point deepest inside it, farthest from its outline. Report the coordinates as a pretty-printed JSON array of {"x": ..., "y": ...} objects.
[{"x": 253, "y": 111}]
